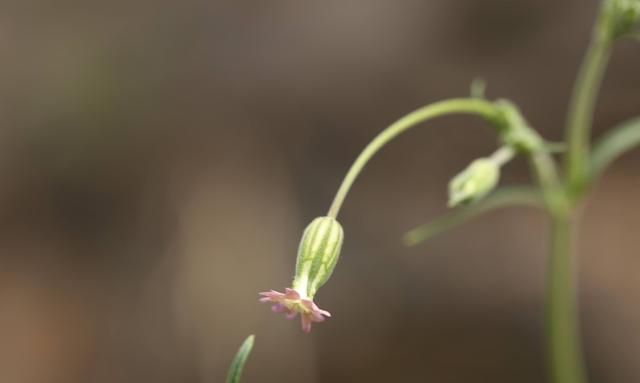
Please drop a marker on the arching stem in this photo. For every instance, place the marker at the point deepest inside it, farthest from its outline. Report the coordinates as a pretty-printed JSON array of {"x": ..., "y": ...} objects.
[{"x": 480, "y": 107}]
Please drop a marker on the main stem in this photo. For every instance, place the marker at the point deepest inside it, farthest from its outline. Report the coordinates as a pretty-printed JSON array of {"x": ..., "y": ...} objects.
[
  {"x": 459, "y": 105},
  {"x": 562, "y": 324},
  {"x": 562, "y": 319}
]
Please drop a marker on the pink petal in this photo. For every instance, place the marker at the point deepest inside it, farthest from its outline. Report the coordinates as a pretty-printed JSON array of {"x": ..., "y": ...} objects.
[
  {"x": 306, "y": 323},
  {"x": 317, "y": 311},
  {"x": 278, "y": 308},
  {"x": 325, "y": 313},
  {"x": 291, "y": 294},
  {"x": 316, "y": 317},
  {"x": 271, "y": 294}
]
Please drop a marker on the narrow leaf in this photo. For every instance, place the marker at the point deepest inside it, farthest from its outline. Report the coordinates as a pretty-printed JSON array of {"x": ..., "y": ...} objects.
[
  {"x": 501, "y": 198},
  {"x": 613, "y": 144},
  {"x": 235, "y": 370}
]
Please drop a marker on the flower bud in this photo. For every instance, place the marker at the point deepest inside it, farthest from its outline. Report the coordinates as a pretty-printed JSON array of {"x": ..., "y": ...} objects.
[
  {"x": 318, "y": 254},
  {"x": 473, "y": 183}
]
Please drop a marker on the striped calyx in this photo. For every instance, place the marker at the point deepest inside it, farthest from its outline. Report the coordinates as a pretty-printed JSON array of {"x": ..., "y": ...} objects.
[{"x": 317, "y": 255}]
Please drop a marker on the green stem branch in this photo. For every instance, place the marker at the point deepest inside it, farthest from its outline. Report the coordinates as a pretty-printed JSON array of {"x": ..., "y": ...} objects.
[
  {"x": 581, "y": 108},
  {"x": 454, "y": 106}
]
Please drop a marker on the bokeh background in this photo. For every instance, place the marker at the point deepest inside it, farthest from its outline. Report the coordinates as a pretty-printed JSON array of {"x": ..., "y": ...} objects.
[{"x": 159, "y": 160}]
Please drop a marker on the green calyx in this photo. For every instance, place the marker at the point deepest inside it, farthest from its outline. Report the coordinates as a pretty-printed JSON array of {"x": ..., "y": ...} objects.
[
  {"x": 318, "y": 254},
  {"x": 475, "y": 182}
]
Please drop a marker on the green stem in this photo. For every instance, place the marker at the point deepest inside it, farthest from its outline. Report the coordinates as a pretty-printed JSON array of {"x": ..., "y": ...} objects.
[
  {"x": 565, "y": 355},
  {"x": 461, "y": 105},
  {"x": 581, "y": 108},
  {"x": 563, "y": 333},
  {"x": 503, "y": 155},
  {"x": 566, "y": 360},
  {"x": 546, "y": 172}
]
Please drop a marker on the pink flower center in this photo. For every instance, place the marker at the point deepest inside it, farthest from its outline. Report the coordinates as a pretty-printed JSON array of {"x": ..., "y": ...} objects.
[{"x": 292, "y": 304}]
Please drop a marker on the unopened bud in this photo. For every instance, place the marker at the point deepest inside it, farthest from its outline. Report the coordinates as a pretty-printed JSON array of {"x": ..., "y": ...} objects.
[
  {"x": 318, "y": 254},
  {"x": 475, "y": 182}
]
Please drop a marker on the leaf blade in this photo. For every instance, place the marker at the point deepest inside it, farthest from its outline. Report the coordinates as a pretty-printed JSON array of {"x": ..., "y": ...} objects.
[
  {"x": 238, "y": 362},
  {"x": 614, "y": 144},
  {"x": 501, "y": 198}
]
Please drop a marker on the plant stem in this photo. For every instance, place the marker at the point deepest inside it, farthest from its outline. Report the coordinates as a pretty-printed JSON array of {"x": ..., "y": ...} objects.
[
  {"x": 563, "y": 333},
  {"x": 503, "y": 155},
  {"x": 545, "y": 170},
  {"x": 581, "y": 108},
  {"x": 562, "y": 320},
  {"x": 565, "y": 355},
  {"x": 460, "y": 105}
]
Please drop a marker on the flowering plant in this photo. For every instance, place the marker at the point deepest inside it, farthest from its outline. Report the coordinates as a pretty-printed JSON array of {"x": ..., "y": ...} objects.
[{"x": 559, "y": 191}]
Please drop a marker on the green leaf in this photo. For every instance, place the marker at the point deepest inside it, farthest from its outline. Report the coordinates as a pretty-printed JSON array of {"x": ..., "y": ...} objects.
[
  {"x": 613, "y": 144},
  {"x": 501, "y": 198},
  {"x": 235, "y": 370}
]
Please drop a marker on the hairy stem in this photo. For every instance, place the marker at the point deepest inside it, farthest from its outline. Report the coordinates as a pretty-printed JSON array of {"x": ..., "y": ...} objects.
[
  {"x": 454, "y": 106},
  {"x": 563, "y": 332}
]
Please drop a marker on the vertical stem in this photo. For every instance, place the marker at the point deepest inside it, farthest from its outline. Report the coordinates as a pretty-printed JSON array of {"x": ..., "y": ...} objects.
[
  {"x": 562, "y": 320},
  {"x": 583, "y": 101}
]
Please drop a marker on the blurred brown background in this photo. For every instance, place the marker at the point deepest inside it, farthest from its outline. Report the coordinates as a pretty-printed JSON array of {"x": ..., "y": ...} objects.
[{"x": 159, "y": 160}]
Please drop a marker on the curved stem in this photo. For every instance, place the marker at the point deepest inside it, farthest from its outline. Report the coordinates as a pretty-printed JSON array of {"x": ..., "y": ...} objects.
[
  {"x": 461, "y": 105},
  {"x": 582, "y": 104},
  {"x": 563, "y": 332}
]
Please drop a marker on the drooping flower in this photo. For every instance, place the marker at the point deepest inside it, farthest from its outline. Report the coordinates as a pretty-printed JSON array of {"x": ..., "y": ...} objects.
[
  {"x": 318, "y": 254},
  {"x": 292, "y": 304}
]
